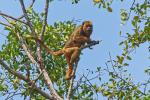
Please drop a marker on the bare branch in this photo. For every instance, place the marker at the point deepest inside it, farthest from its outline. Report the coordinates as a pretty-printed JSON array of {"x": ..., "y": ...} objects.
[
  {"x": 50, "y": 86},
  {"x": 45, "y": 18},
  {"x": 71, "y": 82},
  {"x": 131, "y": 9},
  {"x": 78, "y": 83},
  {"x": 20, "y": 76},
  {"x": 32, "y": 3},
  {"x": 46, "y": 77},
  {"x": 28, "y": 52},
  {"x": 90, "y": 84},
  {"x": 11, "y": 95},
  {"x": 41, "y": 73},
  {"x": 4, "y": 24},
  {"x": 2, "y": 14},
  {"x": 28, "y": 7},
  {"x": 27, "y": 18}
]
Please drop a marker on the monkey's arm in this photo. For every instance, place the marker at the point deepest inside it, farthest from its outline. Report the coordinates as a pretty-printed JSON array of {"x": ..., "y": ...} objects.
[{"x": 92, "y": 42}]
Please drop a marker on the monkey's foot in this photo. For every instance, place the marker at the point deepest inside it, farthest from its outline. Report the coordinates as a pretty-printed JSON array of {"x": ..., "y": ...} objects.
[{"x": 69, "y": 74}]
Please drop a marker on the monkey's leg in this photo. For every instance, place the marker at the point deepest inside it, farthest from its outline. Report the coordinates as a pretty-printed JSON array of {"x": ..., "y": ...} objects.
[
  {"x": 70, "y": 54},
  {"x": 74, "y": 57},
  {"x": 74, "y": 54},
  {"x": 67, "y": 54}
]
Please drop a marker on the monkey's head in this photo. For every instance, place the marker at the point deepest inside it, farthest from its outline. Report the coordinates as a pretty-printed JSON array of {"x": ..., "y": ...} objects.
[{"x": 87, "y": 27}]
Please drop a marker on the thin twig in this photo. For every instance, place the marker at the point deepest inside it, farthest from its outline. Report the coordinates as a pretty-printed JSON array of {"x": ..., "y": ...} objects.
[
  {"x": 4, "y": 24},
  {"x": 27, "y": 18},
  {"x": 45, "y": 18},
  {"x": 91, "y": 85},
  {"x": 131, "y": 9},
  {"x": 9, "y": 97},
  {"x": 30, "y": 6},
  {"x": 38, "y": 76},
  {"x": 2, "y": 14},
  {"x": 78, "y": 83},
  {"x": 34, "y": 81},
  {"x": 111, "y": 61}
]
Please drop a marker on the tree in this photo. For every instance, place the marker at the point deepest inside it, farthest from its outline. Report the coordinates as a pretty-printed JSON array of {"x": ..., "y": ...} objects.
[{"x": 27, "y": 70}]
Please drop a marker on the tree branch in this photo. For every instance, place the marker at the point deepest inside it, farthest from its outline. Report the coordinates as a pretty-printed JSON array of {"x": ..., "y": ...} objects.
[
  {"x": 40, "y": 60},
  {"x": 20, "y": 76},
  {"x": 28, "y": 52},
  {"x": 4, "y": 24},
  {"x": 28, "y": 7},
  {"x": 32, "y": 3},
  {"x": 131, "y": 9},
  {"x": 90, "y": 44},
  {"x": 27, "y": 18},
  {"x": 71, "y": 82},
  {"x": 2, "y": 14},
  {"x": 45, "y": 18}
]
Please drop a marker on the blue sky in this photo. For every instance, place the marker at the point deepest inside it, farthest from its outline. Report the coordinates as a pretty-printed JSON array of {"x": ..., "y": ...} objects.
[{"x": 106, "y": 28}]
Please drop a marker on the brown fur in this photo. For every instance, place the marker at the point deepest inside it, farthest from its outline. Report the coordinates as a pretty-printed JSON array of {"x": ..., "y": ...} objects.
[{"x": 78, "y": 38}]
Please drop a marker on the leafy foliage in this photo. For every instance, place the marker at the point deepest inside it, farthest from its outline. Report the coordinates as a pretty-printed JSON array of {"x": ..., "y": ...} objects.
[
  {"x": 119, "y": 83},
  {"x": 55, "y": 37}
]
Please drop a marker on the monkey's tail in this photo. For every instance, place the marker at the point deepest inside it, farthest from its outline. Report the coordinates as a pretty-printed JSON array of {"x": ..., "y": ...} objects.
[{"x": 55, "y": 53}]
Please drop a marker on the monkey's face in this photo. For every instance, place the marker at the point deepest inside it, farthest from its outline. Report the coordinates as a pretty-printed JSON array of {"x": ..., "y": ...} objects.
[{"x": 87, "y": 27}]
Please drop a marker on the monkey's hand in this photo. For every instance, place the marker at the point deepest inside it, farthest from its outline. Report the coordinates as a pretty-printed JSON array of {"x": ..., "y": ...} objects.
[{"x": 91, "y": 42}]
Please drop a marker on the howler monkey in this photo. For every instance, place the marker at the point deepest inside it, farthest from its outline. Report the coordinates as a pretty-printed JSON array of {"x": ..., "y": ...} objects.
[{"x": 71, "y": 50}]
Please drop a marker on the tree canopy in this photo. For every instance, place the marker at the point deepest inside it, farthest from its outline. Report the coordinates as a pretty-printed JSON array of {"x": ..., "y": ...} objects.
[{"x": 27, "y": 70}]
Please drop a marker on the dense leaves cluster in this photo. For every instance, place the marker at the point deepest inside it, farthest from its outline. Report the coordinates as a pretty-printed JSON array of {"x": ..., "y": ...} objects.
[{"x": 13, "y": 53}]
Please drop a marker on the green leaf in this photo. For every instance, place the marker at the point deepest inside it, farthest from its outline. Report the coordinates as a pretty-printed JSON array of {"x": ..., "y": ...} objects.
[
  {"x": 121, "y": 43},
  {"x": 106, "y": 93},
  {"x": 133, "y": 23},
  {"x": 120, "y": 59},
  {"x": 136, "y": 18},
  {"x": 129, "y": 58},
  {"x": 126, "y": 64},
  {"x": 109, "y": 9}
]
